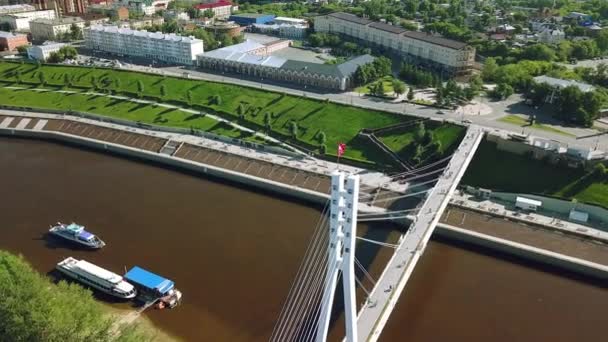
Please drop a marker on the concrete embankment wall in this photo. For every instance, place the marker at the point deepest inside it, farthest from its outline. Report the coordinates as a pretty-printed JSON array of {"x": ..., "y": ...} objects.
[
  {"x": 523, "y": 251},
  {"x": 263, "y": 184}
]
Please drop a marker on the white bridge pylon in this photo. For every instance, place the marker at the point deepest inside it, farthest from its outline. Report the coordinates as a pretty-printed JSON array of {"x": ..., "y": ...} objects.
[{"x": 341, "y": 249}]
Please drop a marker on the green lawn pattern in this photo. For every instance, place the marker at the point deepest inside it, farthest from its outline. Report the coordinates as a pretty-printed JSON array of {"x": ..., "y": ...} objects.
[{"x": 340, "y": 123}]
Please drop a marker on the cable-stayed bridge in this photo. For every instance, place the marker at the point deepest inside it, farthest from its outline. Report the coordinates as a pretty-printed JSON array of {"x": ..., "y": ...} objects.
[{"x": 307, "y": 312}]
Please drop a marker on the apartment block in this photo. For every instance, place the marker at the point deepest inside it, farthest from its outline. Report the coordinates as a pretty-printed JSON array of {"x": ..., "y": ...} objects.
[
  {"x": 221, "y": 9},
  {"x": 20, "y": 21},
  {"x": 421, "y": 48},
  {"x": 170, "y": 48},
  {"x": 50, "y": 29}
]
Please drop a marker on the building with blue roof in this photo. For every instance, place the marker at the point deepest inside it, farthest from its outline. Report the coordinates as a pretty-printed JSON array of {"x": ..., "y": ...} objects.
[{"x": 247, "y": 19}]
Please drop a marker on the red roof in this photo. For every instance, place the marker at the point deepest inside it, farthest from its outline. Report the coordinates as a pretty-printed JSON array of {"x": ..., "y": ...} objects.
[{"x": 220, "y": 3}]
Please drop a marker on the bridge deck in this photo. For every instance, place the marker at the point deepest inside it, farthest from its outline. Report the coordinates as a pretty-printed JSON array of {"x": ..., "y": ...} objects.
[{"x": 373, "y": 316}]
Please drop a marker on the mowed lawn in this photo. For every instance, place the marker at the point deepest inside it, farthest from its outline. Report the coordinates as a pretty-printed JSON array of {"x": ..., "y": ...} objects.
[
  {"x": 509, "y": 172},
  {"x": 401, "y": 141},
  {"x": 122, "y": 109},
  {"x": 340, "y": 123}
]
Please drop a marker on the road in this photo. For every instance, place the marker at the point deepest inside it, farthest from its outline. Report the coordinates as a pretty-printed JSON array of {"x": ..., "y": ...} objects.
[{"x": 496, "y": 109}]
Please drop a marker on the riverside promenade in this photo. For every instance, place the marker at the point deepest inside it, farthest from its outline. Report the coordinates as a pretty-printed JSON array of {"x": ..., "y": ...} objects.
[
  {"x": 375, "y": 313},
  {"x": 268, "y": 169}
]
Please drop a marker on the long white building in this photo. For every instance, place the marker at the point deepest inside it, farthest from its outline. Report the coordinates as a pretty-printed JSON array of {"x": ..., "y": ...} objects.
[
  {"x": 422, "y": 48},
  {"x": 20, "y": 21},
  {"x": 170, "y": 48}
]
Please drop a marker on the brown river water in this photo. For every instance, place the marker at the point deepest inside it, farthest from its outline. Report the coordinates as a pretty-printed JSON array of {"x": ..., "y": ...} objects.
[{"x": 233, "y": 252}]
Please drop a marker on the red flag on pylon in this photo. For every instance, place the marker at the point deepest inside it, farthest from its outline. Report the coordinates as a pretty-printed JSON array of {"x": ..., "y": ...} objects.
[{"x": 341, "y": 149}]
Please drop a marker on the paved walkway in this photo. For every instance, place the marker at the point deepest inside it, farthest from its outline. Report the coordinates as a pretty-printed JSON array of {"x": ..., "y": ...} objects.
[
  {"x": 466, "y": 201},
  {"x": 532, "y": 235},
  {"x": 375, "y": 313},
  {"x": 306, "y": 163}
]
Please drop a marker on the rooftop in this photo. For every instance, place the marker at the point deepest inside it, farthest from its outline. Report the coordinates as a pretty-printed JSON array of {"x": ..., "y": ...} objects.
[
  {"x": 143, "y": 33},
  {"x": 429, "y": 38},
  {"x": 149, "y": 280},
  {"x": 426, "y": 37},
  {"x": 350, "y": 17},
  {"x": 560, "y": 83},
  {"x": 59, "y": 21},
  {"x": 252, "y": 15},
  {"x": 16, "y": 8},
  {"x": 387, "y": 27},
  {"x": 341, "y": 70},
  {"x": 220, "y": 3},
  {"x": 4, "y": 34}
]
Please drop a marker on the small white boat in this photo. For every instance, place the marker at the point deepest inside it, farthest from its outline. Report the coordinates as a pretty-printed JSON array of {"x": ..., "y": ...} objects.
[
  {"x": 75, "y": 233},
  {"x": 97, "y": 278}
]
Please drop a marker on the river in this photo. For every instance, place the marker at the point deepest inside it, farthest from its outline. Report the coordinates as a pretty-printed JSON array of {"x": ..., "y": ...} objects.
[{"x": 234, "y": 252}]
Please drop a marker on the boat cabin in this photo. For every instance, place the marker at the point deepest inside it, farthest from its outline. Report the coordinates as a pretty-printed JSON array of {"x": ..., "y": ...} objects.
[{"x": 149, "y": 285}]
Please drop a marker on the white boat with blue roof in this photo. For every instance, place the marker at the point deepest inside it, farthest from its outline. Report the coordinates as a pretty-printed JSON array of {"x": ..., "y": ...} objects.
[{"x": 77, "y": 234}]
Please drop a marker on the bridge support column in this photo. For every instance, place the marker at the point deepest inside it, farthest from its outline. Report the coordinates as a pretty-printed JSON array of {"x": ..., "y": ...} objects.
[{"x": 341, "y": 249}]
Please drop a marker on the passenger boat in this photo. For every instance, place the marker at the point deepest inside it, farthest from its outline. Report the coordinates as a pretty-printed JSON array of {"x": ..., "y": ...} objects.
[
  {"x": 97, "y": 278},
  {"x": 76, "y": 233}
]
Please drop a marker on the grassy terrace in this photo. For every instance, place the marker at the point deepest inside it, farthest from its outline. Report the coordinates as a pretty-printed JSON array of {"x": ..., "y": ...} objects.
[
  {"x": 340, "y": 123},
  {"x": 122, "y": 109},
  {"x": 402, "y": 142},
  {"x": 503, "y": 171},
  {"x": 521, "y": 122}
]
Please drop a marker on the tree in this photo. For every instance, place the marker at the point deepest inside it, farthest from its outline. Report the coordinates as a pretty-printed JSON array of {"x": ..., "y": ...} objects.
[
  {"x": 489, "y": 69},
  {"x": 267, "y": 121},
  {"x": 38, "y": 64},
  {"x": 217, "y": 100},
  {"x": 41, "y": 78},
  {"x": 602, "y": 40},
  {"x": 293, "y": 129},
  {"x": 208, "y": 13},
  {"x": 398, "y": 87},
  {"x": 18, "y": 76},
  {"x": 22, "y": 49},
  {"x": 66, "y": 80},
  {"x": 140, "y": 88},
  {"x": 538, "y": 52},
  {"x": 323, "y": 148},
  {"x": 502, "y": 91},
  {"x": 117, "y": 84},
  {"x": 55, "y": 57},
  {"x": 34, "y": 309},
  {"x": 419, "y": 132},
  {"x": 382, "y": 66},
  {"x": 189, "y": 97},
  {"x": 163, "y": 91},
  {"x": 94, "y": 82},
  {"x": 600, "y": 171},
  {"x": 322, "y": 138},
  {"x": 75, "y": 32},
  {"x": 410, "y": 94},
  {"x": 193, "y": 13},
  {"x": 68, "y": 52}
]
